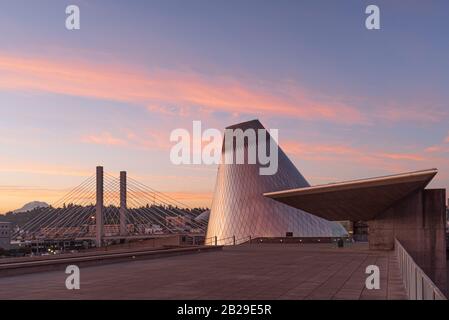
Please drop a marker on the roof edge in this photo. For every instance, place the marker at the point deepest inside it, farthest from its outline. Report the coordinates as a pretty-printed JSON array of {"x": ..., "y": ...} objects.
[{"x": 360, "y": 182}]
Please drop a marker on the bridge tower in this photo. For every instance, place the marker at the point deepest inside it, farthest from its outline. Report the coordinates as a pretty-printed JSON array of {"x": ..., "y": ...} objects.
[
  {"x": 123, "y": 209},
  {"x": 99, "y": 208}
]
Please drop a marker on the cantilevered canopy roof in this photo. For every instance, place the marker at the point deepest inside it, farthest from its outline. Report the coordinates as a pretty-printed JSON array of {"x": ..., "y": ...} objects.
[{"x": 354, "y": 200}]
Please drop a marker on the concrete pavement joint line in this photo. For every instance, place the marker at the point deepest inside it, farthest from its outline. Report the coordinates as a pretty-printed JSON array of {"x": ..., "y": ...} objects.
[
  {"x": 321, "y": 286},
  {"x": 350, "y": 276}
]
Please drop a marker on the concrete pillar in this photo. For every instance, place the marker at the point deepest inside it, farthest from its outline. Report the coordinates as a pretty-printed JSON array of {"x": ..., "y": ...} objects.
[
  {"x": 99, "y": 208},
  {"x": 123, "y": 210}
]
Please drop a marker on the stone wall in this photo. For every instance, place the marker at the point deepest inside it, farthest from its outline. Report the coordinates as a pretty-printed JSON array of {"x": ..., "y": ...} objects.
[{"x": 418, "y": 222}]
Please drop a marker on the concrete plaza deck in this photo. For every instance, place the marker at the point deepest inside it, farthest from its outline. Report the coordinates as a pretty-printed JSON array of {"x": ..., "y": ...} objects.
[{"x": 257, "y": 271}]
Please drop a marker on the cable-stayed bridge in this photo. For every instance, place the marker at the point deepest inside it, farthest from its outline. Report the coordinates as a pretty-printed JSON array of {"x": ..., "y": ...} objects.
[{"x": 105, "y": 207}]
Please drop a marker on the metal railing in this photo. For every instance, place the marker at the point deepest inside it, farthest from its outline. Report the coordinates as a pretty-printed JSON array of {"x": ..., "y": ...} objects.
[{"x": 417, "y": 284}]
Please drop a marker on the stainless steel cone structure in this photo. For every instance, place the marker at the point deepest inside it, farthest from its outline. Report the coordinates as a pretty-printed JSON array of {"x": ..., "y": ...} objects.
[{"x": 239, "y": 209}]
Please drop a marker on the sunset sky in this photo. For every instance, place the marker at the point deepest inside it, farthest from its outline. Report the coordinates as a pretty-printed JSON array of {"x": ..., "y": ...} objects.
[{"x": 348, "y": 102}]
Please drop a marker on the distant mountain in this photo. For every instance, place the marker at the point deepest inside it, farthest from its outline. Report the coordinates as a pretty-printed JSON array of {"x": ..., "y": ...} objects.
[{"x": 31, "y": 206}]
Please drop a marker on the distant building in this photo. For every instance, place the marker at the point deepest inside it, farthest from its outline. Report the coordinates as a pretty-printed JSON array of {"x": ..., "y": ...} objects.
[
  {"x": 177, "y": 221},
  {"x": 5, "y": 235}
]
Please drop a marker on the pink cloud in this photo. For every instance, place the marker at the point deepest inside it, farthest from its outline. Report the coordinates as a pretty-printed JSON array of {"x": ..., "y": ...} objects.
[
  {"x": 104, "y": 138},
  {"x": 360, "y": 156},
  {"x": 398, "y": 113},
  {"x": 439, "y": 148},
  {"x": 425, "y": 111},
  {"x": 149, "y": 139},
  {"x": 402, "y": 156},
  {"x": 161, "y": 88}
]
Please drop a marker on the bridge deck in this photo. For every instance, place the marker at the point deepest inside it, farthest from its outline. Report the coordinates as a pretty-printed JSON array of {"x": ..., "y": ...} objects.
[{"x": 312, "y": 271}]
